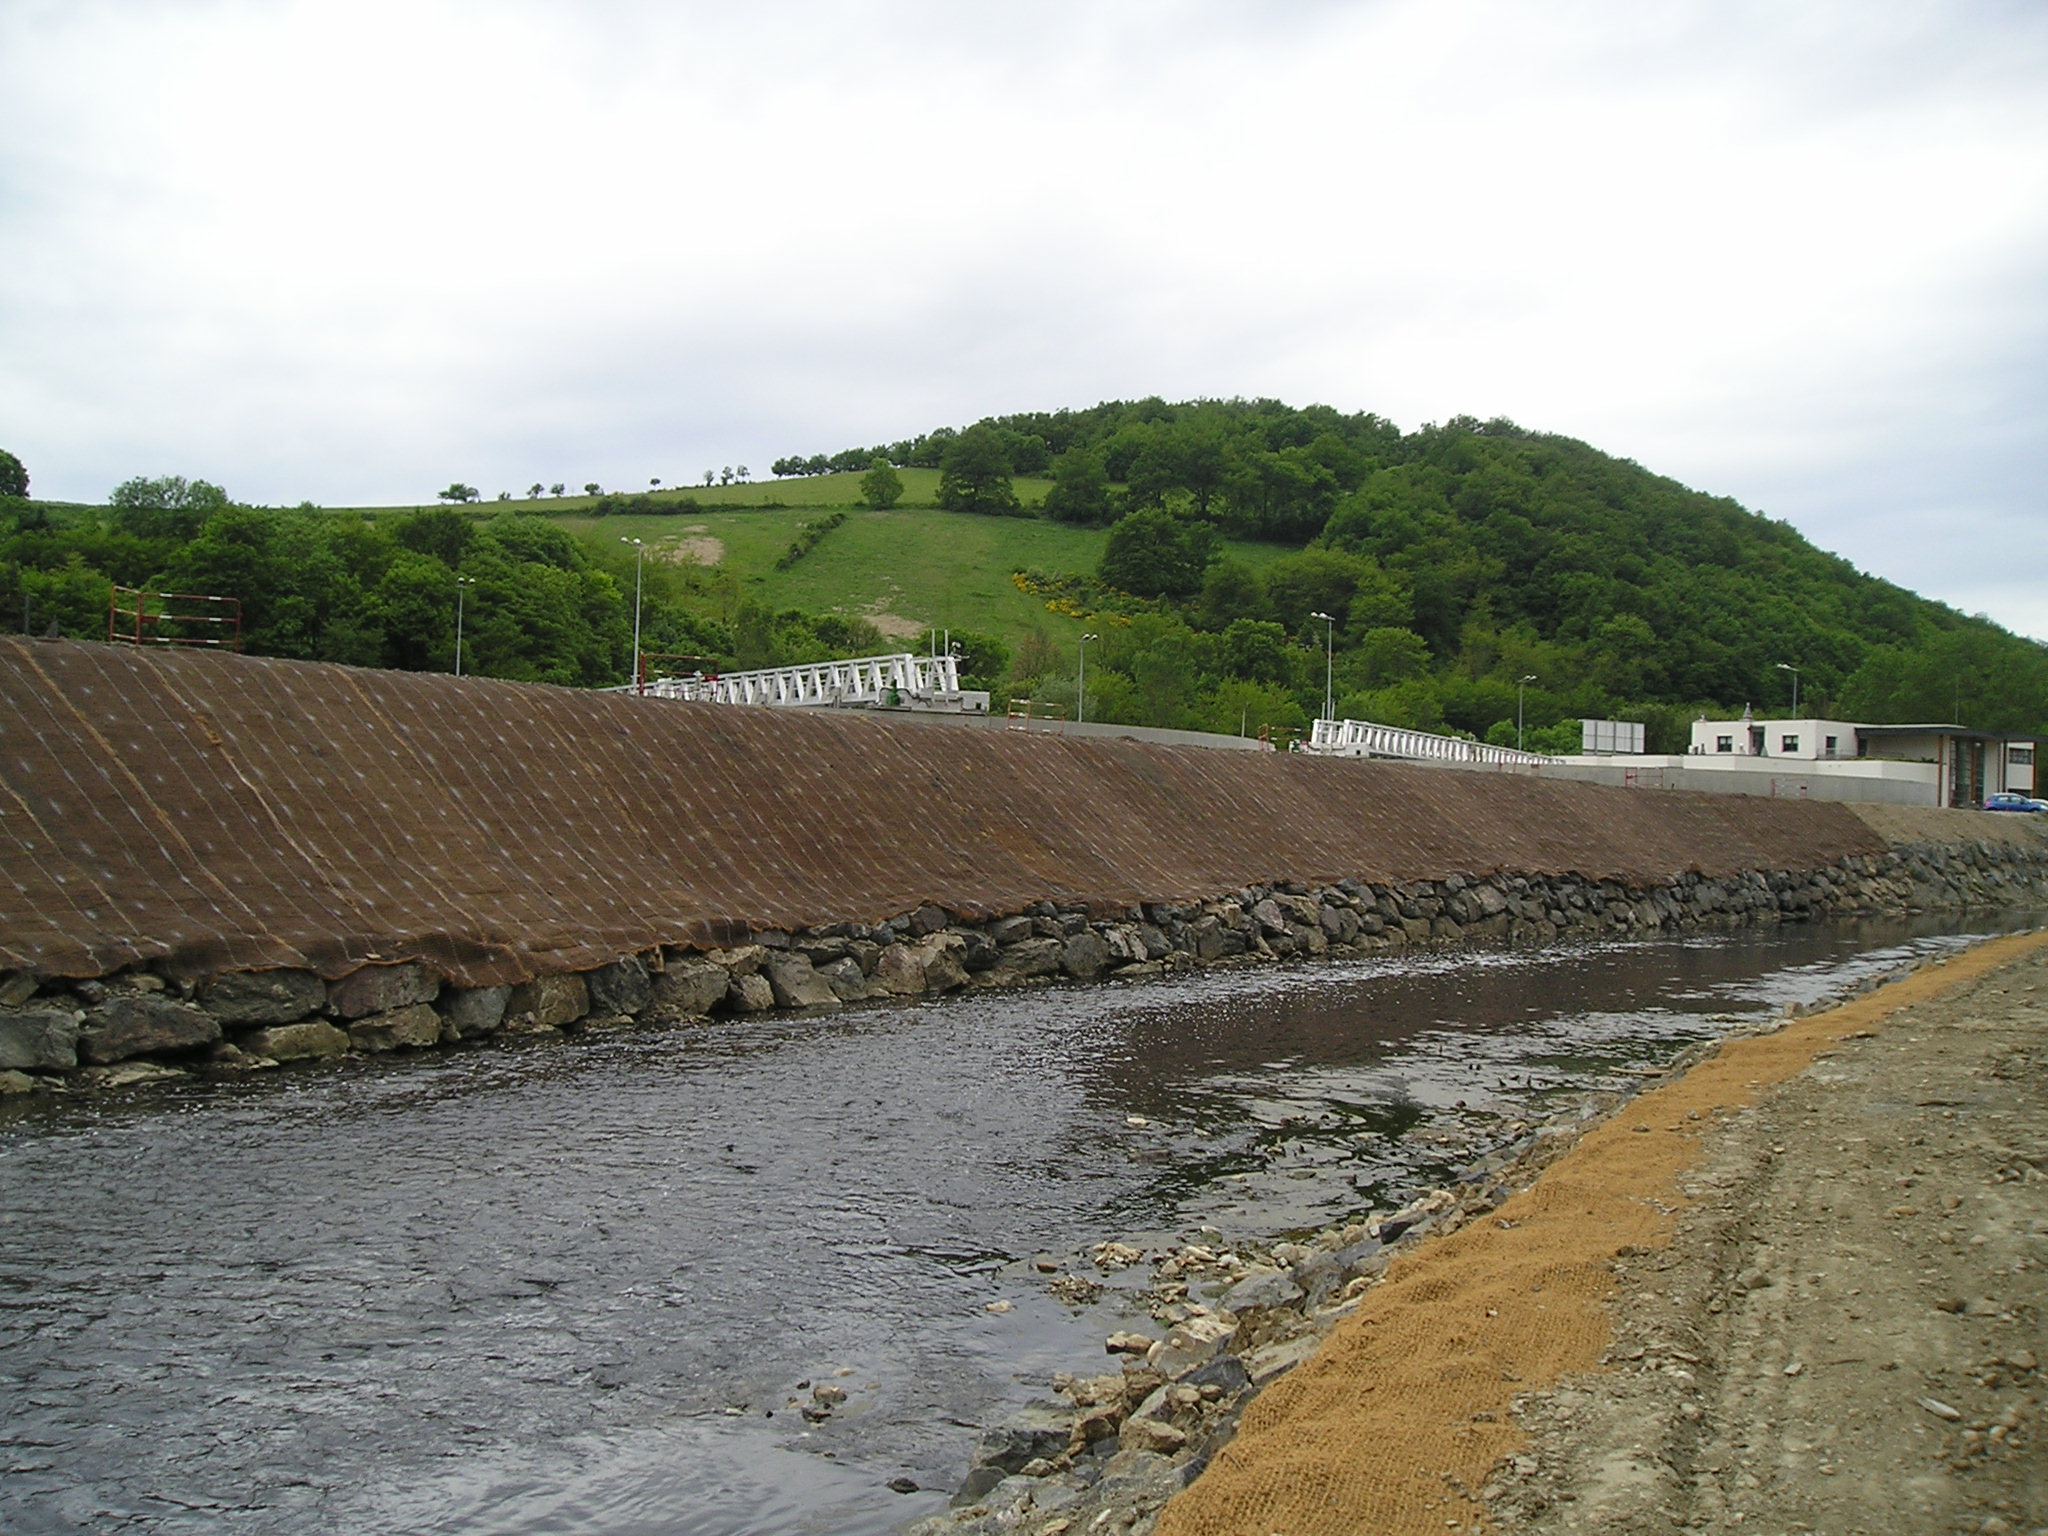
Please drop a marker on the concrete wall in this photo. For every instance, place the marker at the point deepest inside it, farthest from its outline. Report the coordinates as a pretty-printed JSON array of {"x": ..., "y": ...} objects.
[{"x": 1859, "y": 779}]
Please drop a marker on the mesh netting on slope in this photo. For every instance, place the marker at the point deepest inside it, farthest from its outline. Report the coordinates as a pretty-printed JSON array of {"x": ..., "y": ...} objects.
[{"x": 215, "y": 812}]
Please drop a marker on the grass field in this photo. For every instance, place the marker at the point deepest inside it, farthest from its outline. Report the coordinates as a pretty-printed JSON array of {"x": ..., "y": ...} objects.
[{"x": 904, "y": 569}]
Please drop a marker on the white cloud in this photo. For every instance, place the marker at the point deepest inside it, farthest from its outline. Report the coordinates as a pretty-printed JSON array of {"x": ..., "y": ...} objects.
[{"x": 347, "y": 251}]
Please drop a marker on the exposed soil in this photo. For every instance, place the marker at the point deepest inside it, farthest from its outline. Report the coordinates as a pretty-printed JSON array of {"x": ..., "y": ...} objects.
[
  {"x": 694, "y": 549},
  {"x": 894, "y": 626},
  {"x": 1798, "y": 1289}
]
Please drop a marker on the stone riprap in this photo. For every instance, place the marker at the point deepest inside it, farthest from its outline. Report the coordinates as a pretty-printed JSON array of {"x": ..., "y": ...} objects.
[{"x": 59, "y": 1029}]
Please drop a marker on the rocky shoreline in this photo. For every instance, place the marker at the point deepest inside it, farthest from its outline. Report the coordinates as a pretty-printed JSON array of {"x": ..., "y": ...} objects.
[
  {"x": 140, "y": 1025},
  {"x": 1106, "y": 1452}
]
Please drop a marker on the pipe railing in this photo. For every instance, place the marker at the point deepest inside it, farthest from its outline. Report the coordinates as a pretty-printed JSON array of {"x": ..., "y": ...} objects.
[
  {"x": 862, "y": 681},
  {"x": 1364, "y": 738}
]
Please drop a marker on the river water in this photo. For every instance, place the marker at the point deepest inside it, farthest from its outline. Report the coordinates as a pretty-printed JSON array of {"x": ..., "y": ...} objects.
[{"x": 574, "y": 1288}]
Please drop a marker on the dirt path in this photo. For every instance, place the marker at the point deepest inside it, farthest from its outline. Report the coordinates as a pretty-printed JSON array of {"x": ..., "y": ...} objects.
[{"x": 1798, "y": 1289}]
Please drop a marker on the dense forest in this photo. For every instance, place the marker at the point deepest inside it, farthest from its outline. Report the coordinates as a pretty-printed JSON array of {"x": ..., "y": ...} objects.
[{"x": 1434, "y": 578}]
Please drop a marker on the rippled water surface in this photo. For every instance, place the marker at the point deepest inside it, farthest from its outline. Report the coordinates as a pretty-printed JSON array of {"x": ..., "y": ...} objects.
[{"x": 574, "y": 1288}]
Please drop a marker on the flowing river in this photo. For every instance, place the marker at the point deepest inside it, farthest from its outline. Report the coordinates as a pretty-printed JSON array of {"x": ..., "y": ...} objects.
[{"x": 575, "y": 1288}]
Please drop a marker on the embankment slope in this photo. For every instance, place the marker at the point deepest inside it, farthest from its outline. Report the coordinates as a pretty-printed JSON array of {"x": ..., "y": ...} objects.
[{"x": 205, "y": 813}]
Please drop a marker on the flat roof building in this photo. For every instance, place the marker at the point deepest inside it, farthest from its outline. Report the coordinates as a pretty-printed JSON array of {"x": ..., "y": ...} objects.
[{"x": 1959, "y": 766}]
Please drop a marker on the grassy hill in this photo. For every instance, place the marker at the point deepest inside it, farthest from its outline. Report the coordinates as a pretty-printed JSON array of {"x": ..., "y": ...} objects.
[
  {"x": 904, "y": 570},
  {"x": 1234, "y": 558}
]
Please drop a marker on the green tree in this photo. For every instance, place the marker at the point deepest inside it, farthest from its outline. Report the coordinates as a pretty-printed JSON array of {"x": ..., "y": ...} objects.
[
  {"x": 13, "y": 477},
  {"x": 1080, "y": 491},
  {"x": 881, "y": 487},
  {"x": 168, "y": 508},
  {"x": 441, "y": 532},
  {"x": 1387, "y": 655},
  {"x": 457, "y": 491},
  {"x": 1231, "y": 590},
  {"x": 1257, "y": 652},
  {"x": 1152, "y": 553},
  {"x": 974, "y": 476},
  {"x": 1238, "y": 707},
  {"x": 1354, "y": 590}
]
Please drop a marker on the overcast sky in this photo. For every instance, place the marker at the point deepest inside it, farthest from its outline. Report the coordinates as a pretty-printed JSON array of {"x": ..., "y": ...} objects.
[{"x": 348, "y": 250}]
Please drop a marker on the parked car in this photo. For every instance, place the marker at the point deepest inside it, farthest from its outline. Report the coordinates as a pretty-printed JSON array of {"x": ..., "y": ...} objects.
[{"x": 2006, "y": 800}]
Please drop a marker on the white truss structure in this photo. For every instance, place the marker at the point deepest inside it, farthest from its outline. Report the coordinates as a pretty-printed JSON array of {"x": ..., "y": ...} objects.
[
  {"x": 1362, "y": 738},
  {"x": 869, "y": 682}
]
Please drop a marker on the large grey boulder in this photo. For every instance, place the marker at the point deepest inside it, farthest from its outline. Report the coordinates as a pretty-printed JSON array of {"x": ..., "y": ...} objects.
[
  {"x": 263, "y": 997},
  {"x": 1261, "y": 1287},
  {"x": 844, "y": 978},
  {"x": 740, "y": 960},
  {"x": 471, "y": 1011},
  {"x": 380, "y": 989},
  {"x": 620, "y": 987},
  {"x": 795, "y": 984},
  {"x": 750, "y": 993},
  {"x": 38, "y": 1039},
  {"x": 1035, "y": 1433},
  {"x": 415, "y": 1026},
  {"x": 943, "y": 957},
  {"x": 1084, "y": 956},
  {"x": 691, "y": 985},
  {"x": 1033, "y": 957},
  {"x": 144, "y": 1025},
  {"x": 549, "y": 1002},
  {"x": 899, "y": 971}
]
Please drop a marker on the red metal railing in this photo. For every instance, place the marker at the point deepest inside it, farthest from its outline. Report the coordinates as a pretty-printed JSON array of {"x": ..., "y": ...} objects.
[{"x": 136, "y": 617}]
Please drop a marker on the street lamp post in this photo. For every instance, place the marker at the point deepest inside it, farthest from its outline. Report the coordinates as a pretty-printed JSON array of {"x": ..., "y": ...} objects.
[
  {"x": 1786, "y": 666},
  {"x": 1329, "y": 664},
  {"x": 1081, "y": 684},
  {"x": 462, "y": 586},
  {"x": 1521, "y": 683},
  {"x": 638, "y": 552}
]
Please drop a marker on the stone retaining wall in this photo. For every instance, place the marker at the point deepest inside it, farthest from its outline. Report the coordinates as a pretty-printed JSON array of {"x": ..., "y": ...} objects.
[{"x": 139, "y": 1024}]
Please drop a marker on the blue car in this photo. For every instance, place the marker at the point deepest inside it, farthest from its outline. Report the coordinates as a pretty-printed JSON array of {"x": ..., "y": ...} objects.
[{"x": 2005, "y": 800}]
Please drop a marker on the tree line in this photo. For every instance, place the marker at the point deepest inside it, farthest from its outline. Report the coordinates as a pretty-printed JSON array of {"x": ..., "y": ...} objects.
[
  {"x": 1459, "y": 577},
  {"x": 1454, "y": 562}
]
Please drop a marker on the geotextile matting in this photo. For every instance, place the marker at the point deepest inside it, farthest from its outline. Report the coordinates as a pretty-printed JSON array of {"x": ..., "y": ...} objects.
[{"x": 210, "y": 812}]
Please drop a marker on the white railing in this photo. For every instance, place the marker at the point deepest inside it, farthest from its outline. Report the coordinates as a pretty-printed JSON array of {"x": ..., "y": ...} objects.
[
  {"x": 864, "y": 681},
  {"x": 1362, "y": 738}
]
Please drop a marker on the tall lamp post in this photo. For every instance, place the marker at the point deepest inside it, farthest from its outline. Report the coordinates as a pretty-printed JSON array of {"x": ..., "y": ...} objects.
[
  {"x": 1329, "y": 664},
  {"x": 462, "y": 586},
  {"x": 638, "y": 553},
  {"x": 1081, "y": 684},
  {"x": 1521, "y": 683},
  {"x": 1786, "y": 666}
]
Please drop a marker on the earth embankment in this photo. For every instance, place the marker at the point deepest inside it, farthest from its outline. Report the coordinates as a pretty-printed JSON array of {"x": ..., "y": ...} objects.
[
  {"x": 206, "y": 813},
  {"x": 1799, "y": 1288}
]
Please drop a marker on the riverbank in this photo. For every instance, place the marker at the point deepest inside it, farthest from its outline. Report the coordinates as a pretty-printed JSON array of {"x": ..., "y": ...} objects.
[
  {"x": 1650, "y": 1335},
  {"x": 148, "y": 1024},
  {"x": 1773, "y": 1294}
]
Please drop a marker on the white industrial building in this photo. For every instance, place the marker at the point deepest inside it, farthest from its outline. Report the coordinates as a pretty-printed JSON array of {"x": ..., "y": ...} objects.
[{"x": 1939, "y": 765}]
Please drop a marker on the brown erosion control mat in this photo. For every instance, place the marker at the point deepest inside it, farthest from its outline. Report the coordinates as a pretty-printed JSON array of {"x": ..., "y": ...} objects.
[
  {"x": 221, "y": 812},
  {"x": 1392, "y": 1426}
]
